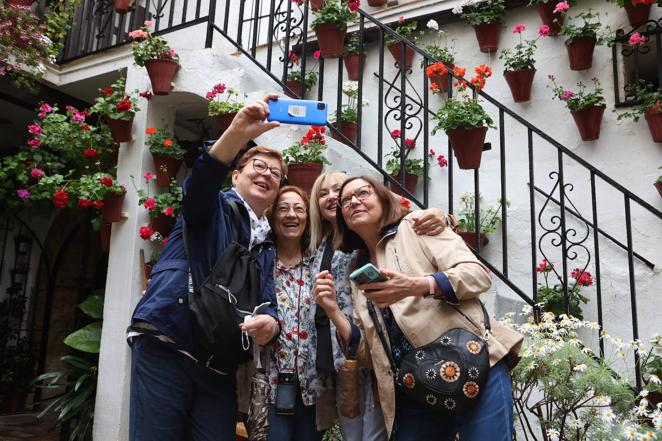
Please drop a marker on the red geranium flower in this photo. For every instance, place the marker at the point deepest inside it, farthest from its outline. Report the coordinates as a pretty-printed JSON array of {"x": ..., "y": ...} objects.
[
  {"x": 410, "y": 143},
  {"x": 90, "y": 153},
  {"x": 395, "y": 133},
  {"x": 147, "y": 95},
  {"x": 60, "y": 199},
  {"x": 150, "y": 130},
  {"x": 583, "y": 278},
  {"x": 167, "y": 142},
  {"x": 405, "y": 202},
  {"x": 124, "y": 105},
  {"x": 146, "y": 232},
  {"x": 169, "y": 211},
  {"x": 107, "y": 181},
  {"x": 150, "y": 204},
  {"x": 107, "y": 91}
]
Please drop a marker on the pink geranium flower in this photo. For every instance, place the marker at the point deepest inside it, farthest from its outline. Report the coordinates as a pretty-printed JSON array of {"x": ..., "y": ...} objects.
[
  {"x": 34, "y": 143},
  {"x": 23, "y": 193},
  {"x": 34, "y": 129},
  {"x": 543, "y": 31},
  {"x": 148, "y": 176},
  {"x": 567, "y": 94},
  {"x": 518, "y": 29},
  {"x": 561, "y": 7},
  {"x": 36, "y": 173},
  {"x": 636, "y": 39}
]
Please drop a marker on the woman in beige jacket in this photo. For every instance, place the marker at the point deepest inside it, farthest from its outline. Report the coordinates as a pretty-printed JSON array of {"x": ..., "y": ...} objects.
[{"x": 424, "y": 273}]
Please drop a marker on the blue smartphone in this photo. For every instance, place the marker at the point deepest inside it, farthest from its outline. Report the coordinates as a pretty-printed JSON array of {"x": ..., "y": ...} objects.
[
  {"x": 311, "y": 113},
  {"x": 368, "y": 273}
]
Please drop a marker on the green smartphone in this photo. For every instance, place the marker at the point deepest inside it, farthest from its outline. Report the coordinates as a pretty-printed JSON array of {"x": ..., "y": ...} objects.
[{"x": 368, "y": 273}]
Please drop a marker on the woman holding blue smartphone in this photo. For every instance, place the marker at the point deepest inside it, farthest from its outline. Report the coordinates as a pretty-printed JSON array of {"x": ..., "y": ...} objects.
[
  {"x": 366, "y": 422},
  {"x": 429, "y": 300}
]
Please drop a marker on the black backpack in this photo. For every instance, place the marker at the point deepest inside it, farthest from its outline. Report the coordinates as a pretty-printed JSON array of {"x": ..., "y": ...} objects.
[{"x": 228, "y": 294}]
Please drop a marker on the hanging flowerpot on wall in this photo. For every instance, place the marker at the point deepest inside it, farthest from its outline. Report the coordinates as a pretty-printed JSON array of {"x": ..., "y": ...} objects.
[
  {"x": 658, "y": 186},
  {"x": 588, "y": 122},
  {"x": 410, "y": 184},
  {"x": 225, "y": 120},
  {"x": 488, "y": 35},
  {"x": 111, "y": 210},
  {"x": 437, "y": 78},
  {"x": 122, "y": 6},
  {"x": 637, "y": 13},
  {"x": 303, "y": 174},
  {"x": 352, "y": 65},
  {"x": 654, "y": 119},
  {"x": 296, "y": 88},
  {"x": 549, "y": 18},
  {"x": 161, "y": 73},
  {"x": 23, "y": 3},
  {"x": 467, "y": 145},
  {"x": 120, "y": 129},
  {"x": 469, "y": 237},
  {"x": 580, "y": 52},
  {"x": 396, "y": 51},
  {"x": 166, "y": 169},
  {"x": 316, "y": 4},
  {"x": 331, "y": 39},
  {"x": 376, "y": 3},
  {"x": 348, "y": 129},
  {"x": 520, "y": 82},
  {"x": 162, "y": 224}
]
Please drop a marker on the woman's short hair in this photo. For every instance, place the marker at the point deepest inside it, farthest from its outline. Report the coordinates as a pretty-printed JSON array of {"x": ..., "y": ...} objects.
[
  {"x": 268, "y": 151},
  {"x": 347, "y": 240},
  {"x": 271, "y": 211},
  {"x": 320, "y": 227}
]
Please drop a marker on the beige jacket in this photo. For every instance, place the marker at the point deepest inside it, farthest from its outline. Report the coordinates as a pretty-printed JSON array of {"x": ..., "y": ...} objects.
[{"x": 422, "y": 319}]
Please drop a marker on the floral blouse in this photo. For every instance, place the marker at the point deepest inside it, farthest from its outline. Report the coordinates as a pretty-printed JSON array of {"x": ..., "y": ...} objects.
[{"x": 293, "y": 292}]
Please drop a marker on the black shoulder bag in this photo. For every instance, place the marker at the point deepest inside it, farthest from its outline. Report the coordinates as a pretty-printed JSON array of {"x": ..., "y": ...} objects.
[
  {"x": 447, "y": 374},
  {"x": 228, "y": 294}
]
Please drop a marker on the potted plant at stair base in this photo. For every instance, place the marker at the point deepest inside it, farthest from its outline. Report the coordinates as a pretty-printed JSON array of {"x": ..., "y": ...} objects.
[
  {"x": 486, "y": 17},
  {"x": 444, "y": 55},
  {"x": 163, "y": 208},
  {"x": 226, "y": 109},
  {"x": 648, "y": 100},
  {"x": 551, "y": 297},
  {"x": 167, "y": 154},
  {"x": 293, "y": 79},
  {"x": 349, "y": 112},
  {"x": 396, "y": 46},
  {"x": 153, "y": 53},
  {"x": 330, "y": 26},
  {"x": 551, "y": 13},
  {"x": 583, "y": 38},
  {"x": 489, "y": 217},
  {"x": 638, "y": 11},
  {"x": 520, "y": 66},
  {"x": 465, "y": 121},
  {"x": 117, "y": 108},
  {"x": 413, "y": 167},
  {"x": 305, "y": 159},
  {"x": 102, "y": 192},
  {"x": 586, "y": 108},
  {"x": 351, "y": 57}
]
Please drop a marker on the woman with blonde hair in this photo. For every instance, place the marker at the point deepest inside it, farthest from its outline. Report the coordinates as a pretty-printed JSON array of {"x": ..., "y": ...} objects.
[{"x": 368, "y": 425}]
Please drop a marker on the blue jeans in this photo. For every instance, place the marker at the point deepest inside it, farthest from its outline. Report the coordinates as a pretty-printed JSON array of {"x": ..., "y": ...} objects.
[
  {"x": 174, "y": 399},
  {"x": 491, "y": 419},
  {"x": 298, "y": 427}
]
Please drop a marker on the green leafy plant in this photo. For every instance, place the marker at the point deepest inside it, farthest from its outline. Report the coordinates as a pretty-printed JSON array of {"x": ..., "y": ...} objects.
[
  {"x": 551, "y": 297},
  {"x": 404, "y": 29},
  {"x": 647, "y": 98},
  {"x": 161, "y": 142},
  {"x": 590, "y": 27},
  {"x": 58, "y": 19},
  {"x": 115, "y": 103},
  {"x": 91, "y": 189},
  {"x": 465, "y": 111},
  {"x": 230, "y": 104},
  {"x": 481, "y": 12},
  {"x": 310, "y": 77},
  {"x": 582, "y": 99},
  {"x": 438, "y": 50},
  {"x": 168, "y": 203},
  {"x": 521, "y": 56},
  {"x": 352, "y": 44},
  {"x": 413, "y": 166},
  {"x": 349, "y": 111},
  {"x": 489, "y": 216},
  {"x": 311, "y": 148},
  {"x": 78, "y": 380},
  {"x": 146, "y": 46},
  {"x": 337, "y": 12}
]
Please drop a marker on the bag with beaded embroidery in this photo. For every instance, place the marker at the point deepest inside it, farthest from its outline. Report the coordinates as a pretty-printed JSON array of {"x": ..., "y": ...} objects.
[{"x": 447, "y": 374}]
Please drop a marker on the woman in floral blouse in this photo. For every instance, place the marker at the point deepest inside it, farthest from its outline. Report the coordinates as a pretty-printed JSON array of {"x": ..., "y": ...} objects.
[{"x": 291, "y": 352}]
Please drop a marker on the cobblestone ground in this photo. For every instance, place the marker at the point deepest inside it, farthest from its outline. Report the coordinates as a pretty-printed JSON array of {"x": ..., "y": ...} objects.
[{"x": 26, "y": 427}]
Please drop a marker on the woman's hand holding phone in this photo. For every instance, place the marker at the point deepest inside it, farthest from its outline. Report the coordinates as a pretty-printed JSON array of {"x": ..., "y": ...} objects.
[{"x": 396, "y": 287}]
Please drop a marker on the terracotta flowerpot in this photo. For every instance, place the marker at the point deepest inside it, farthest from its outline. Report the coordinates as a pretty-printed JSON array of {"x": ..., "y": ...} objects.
[
  {"x": 520, "y": 82},
  {"x": 120, "y": 129},
  {"x": 331, "y": 40},
  {"x": 111, "y": 210},
  {"x": 658, "y": 185},
  {"x": 162, "y": 224},
  {"x": 122, "y": 6},
  {"x": 637, "y": 14},
  {"x": 410, "y": 184},
  {"x": 352, "y": 65},
  {"x": 580, "y": 52},
  {"x": 348, "y": 129},
  {"x": 303, "y": 174},
  {"x": 467, "y": 145},
  {"x": 225, "y": 120},
  {"x": 654, "y": 120},
  {"x": 588, "y": 122},
  {"x": 396, "y": 51},
  {"x": 376, "y": 3},
  {"x": 104, "y": 235},
  {"x": 546, "y": 12},
  {"x": 488, "y": 35},
  {"x": 441, "y": 81},
  {"x": 296, "y": 88},
  {"x": 161, "y": 73},
  {"x": 316, "y": 4},
  {"x": 469, "y": 237},
  {"x": 166, "y": 169},
  {"x": 25, "y": 3}
]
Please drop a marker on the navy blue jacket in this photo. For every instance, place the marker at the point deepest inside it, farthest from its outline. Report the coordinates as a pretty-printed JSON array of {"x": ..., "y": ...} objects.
[{"x": 209, "y": 226}]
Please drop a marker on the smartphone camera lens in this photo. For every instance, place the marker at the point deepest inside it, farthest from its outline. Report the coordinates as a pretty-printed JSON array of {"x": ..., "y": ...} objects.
[{"x": 321, "y": 106}]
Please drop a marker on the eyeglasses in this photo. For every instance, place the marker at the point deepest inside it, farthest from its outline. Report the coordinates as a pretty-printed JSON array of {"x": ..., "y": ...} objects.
[
  {"x": 260, "y": 166},
  {"x": 361, "y": 193}
]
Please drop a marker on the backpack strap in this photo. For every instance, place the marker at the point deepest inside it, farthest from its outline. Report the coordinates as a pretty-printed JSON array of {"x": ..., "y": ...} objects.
[{"x": 324, "y": 358}]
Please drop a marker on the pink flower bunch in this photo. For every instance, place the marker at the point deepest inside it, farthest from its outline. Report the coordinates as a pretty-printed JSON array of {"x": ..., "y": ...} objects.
[
  {"x": 567, "y": 94},
  {"x": 36, "y": 173},
  {"x": 43, "y": 110},
  {"x": 544, "y": 31},
  {"x": 35, "y": 129},
  {"x": 23, "y": 193},
  {"x": 636, "y": 39},
  {"x": 561, "y": 7},
  {"x": 218, "y": 89},
  {"x": 519, "y": 29},
  {"x": 138, "y": 34}
]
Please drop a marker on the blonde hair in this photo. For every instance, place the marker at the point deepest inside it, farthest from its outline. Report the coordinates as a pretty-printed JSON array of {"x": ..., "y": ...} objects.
[{"x": 320, "y": 227}]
